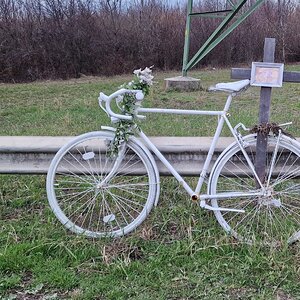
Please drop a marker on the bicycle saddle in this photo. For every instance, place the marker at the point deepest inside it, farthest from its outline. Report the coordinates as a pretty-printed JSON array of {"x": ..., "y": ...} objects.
[{"x": 231, "y": 87}]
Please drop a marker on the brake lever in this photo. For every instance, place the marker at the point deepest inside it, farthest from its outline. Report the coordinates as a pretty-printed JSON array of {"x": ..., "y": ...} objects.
[{"x": 101, "y": 103}]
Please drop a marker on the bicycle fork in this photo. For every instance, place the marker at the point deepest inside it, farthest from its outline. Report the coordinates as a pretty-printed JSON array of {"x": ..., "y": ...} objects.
[{"x": 115, "y": 167}]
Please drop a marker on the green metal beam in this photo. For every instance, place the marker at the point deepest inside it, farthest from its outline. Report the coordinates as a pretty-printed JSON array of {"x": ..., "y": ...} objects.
[
  {"x": 187, "y": 37},
  {"x": 210, "y": 40},
  {"x": 219, "y": 34},
  {"x": 201, "y": 14},
  {"x": 214, "y": 14},
  {"x": 222, "y": 36}
]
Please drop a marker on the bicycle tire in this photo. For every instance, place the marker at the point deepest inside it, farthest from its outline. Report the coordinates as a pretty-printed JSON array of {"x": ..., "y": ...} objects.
[
  {"x": 86, "y": 204},
  {"x": 271, "y": 219}
]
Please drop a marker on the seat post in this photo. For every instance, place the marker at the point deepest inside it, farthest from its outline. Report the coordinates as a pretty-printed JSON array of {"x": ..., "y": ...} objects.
[{"x": 228, "y": 101}]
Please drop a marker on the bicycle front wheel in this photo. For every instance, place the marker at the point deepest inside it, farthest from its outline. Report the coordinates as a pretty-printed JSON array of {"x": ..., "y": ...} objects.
[
  {"x": 273, "y": 218},
  {"x": 96, "y": 194}
]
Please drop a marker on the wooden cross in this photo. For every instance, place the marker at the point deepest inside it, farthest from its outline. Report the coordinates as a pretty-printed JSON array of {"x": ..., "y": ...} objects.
[{"x": 265, "y": 103}]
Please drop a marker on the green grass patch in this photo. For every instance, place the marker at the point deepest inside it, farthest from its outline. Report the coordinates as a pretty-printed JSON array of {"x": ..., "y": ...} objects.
[
  {"x": 71, "y": 107},
  {"x": 179, "y": 252}
]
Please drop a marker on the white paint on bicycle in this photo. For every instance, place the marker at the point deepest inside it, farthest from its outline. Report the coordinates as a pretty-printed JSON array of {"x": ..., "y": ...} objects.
[
  {"x": 276, "y": 202},
  {"x": 139, "y": 96},
  {"x": 270, "y": 202},
  {"x": 88, "y": 155},
  {"x": 237, "y": 194},
  {"x": 109, "y": 218},
  {"x": 268, "y": 199}
]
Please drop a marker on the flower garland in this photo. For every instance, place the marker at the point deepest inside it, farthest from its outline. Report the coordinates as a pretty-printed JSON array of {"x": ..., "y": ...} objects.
[{"x": 143, "y": 80}]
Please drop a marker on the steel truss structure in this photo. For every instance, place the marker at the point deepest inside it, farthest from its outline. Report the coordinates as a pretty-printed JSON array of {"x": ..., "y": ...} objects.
[{"x": 232, "y": 18}]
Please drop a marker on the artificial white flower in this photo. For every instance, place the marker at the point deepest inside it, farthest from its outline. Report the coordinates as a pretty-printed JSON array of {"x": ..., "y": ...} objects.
[
  {"x": 137, "y": 72},
  {"x": 145, "y": 76},
  {"x": 147, "y": 70},
  {"x": 129, "y": 104}
]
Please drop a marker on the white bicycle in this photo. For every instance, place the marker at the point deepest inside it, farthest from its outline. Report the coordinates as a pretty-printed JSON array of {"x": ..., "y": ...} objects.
[{"x": 95, "y": 193}]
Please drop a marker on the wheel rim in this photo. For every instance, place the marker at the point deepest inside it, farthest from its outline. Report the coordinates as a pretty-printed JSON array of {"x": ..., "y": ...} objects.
[
  {"x": 85, "y": 203},
  {"x": 273, "y": 218}
]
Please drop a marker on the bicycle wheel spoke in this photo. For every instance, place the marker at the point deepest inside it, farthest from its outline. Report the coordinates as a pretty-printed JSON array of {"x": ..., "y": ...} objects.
[
  {"x": 242, "y": 170},
  {"x": 237, "y": 206},
  {"x": 273, "y": 216},
  {"x": 287, "y": 175},
  {"x": 128, "y": 179},
  {"x": 68, "y": 199},
  {"x": 124, "y": 201},
  {"x": 130, "y": 168},
  {"x": 292, "y": 212},
  {"x": 78, "y": 208},
  {"x": 73, "y": 175},
  {"x": 80, "y": 164},
  {"x": 86, "y": 211},
  {"x": 284, "y": 165},
  {"x": 91, "y": 215},
  {"x": 119, "y": 206},
  {"x": 252, "y": 214},
  {"x": 233, "y": 183},
  {"x": 137, "y": 195},
  {"x": 96, "y": 194},
  {"x": 110, "y": 213}
]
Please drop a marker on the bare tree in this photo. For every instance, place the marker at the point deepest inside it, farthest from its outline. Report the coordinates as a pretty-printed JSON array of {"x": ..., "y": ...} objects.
[{"x": 67, "y": 38}]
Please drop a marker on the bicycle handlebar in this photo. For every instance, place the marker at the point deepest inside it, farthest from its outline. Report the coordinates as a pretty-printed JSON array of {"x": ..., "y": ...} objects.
[{"x": 107, "y": 100}]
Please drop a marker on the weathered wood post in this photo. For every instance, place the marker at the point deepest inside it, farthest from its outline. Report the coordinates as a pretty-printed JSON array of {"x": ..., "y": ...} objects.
[
  {"x": 264, "y": 114},
  {"x": 265, "y": 103}
]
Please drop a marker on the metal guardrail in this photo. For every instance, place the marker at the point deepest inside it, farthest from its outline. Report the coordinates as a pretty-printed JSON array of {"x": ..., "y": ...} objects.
[{"x": 33, "y": 154}]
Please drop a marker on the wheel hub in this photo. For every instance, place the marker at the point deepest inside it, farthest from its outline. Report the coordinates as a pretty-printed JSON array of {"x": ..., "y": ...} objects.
[
  {"x": 101, "y": 185},
  {"x": 99, "y": 188},
  {"x": 269, "y": 199}
]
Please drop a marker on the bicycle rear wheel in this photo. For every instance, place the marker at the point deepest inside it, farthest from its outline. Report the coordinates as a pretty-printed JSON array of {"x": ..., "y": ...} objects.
[
  {"x": 270, "y": 219},
  {"x": 96, "y": 194}
]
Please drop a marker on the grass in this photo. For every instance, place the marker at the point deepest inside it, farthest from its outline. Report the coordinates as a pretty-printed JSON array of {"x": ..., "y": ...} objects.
[
  {"x": 179, "y": 252},
  {"x": 70, "y": 107}
]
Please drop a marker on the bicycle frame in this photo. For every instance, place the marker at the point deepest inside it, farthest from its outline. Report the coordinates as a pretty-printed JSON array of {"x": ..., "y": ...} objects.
[
  {"x": 96, "y": 194},
  {"x": 195, "y": 194}
]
